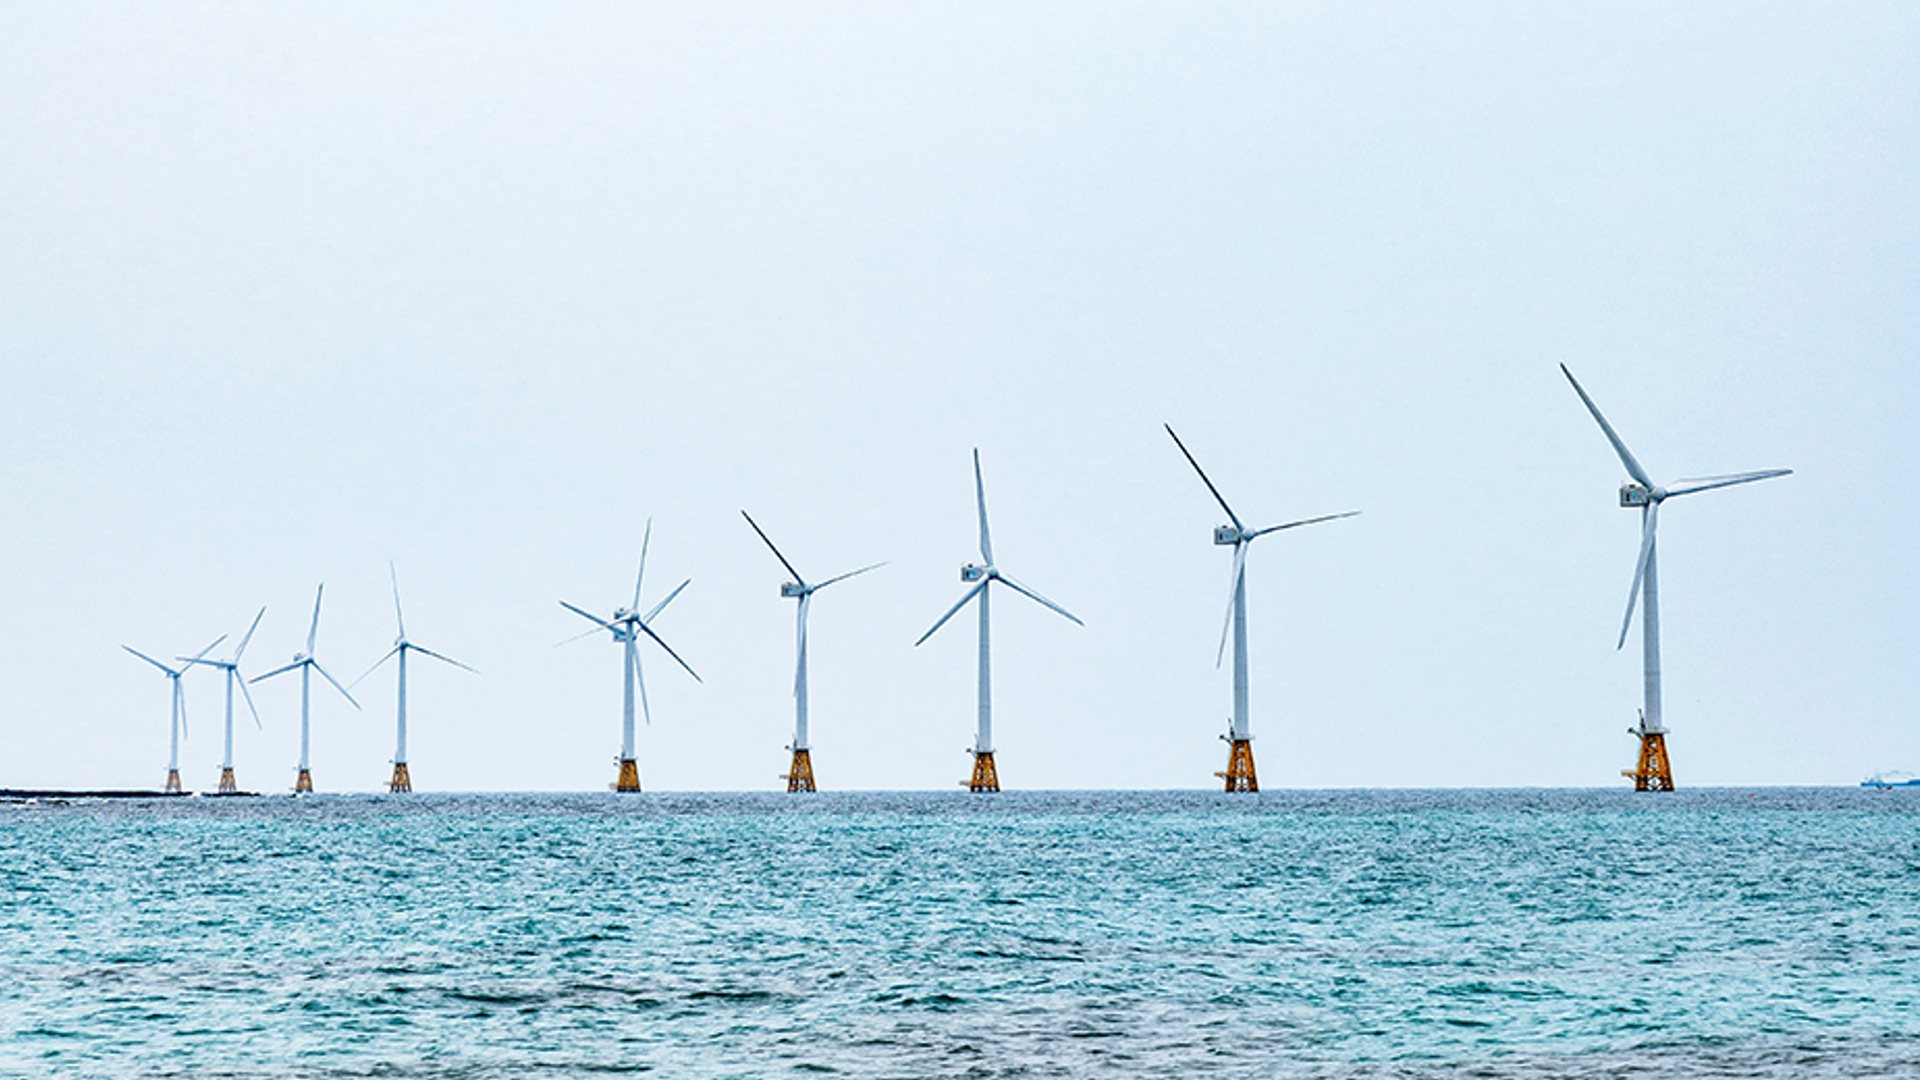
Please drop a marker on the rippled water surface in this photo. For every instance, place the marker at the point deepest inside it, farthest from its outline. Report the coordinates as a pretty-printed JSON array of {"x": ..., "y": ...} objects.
[{"x": 1372, "y": 934}]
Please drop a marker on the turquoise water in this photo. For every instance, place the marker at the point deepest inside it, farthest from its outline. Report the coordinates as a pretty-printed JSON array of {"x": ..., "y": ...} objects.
[{"x": 1372, "y": 934}]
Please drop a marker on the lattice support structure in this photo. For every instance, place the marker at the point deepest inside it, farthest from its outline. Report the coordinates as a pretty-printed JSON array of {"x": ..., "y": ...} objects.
[
  {"x": 303, "y": 783},
  {"x": 401, "y": 783},
  {"x": 227, "y": 786},
  {"x": 985, "y": 776},
  {"x": 799, "y": 776},
  {"x": 1655, "y": 772},
  {"x": 173, "y": 782},
  {"x": 629, "y": 775},
  {"x": 1240, "y": 775}
]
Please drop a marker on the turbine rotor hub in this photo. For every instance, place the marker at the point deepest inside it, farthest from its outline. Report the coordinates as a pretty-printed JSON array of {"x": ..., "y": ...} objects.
[{"x": 1634, "y": 493}]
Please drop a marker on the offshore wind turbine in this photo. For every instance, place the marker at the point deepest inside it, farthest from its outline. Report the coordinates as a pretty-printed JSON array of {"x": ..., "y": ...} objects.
[
  {"x": 231, "y": 666},
  {"x": 985, "y": 776},
  {"x": 1655, "y": 771},
  {"x": 307, "y": 665},
  {"x": 800, "y": 775},
  {"x": 626, "y": 625},
  {"x": 401, "y": 781},
  {"x": 179, "y": 727},
  {"x": 1240, "y": 774}
]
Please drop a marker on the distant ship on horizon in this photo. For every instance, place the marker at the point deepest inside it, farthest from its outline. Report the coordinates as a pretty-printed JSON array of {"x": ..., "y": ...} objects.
[{"x": 1886, "y": 780}]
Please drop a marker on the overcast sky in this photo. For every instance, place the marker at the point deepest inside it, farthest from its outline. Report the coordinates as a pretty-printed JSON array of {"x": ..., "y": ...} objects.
[{"x": 290, "y": 290}]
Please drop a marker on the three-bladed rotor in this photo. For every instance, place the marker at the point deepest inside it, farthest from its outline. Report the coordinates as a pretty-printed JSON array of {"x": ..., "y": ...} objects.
[
  {"x": 231, "y": 665},
  {"x": 174, "y": 675},
  {"x": 1642, "y": 492},
  {"x": 627, "y": 624},
  {"x": 306, "y": 659},
  {"x": 1241, "y": 538},
  {"x": 800, "y": 589},
  {"x": 985, "y": 573},
  {"x": 400, "y": 642}
]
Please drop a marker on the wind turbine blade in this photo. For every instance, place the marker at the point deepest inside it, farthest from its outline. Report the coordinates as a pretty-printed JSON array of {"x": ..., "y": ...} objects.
[
  {"x": 150, "y": 660},
  {"x": 249, "y": 637},
  {"x": 971, "y": 593},
  {"x": 603, "y": 624},
  {"x": 599, "y": 624},
  {"x": 583, "y": 634},
  {"x": 197, "y": 657},
  {"x": 1233, "y": 589},
  {"x": 335, "y": 682},
  {"x": 248, "y": 695},
  {"x": 1708, "y": 483},
  {"x": 391, "y": 653},
  {"x": 295, "y": 666},
  {"x": 1217, "y": 497},
  {"x": 1626, "y": 456},
  {"x": 640, "y": 680},
  {"x": 446, "y": 659},
  {"x": 314, "y": 630},
  {"x": 399, "y": 619},
  {"x": 662, "y": 605},
  {"x": 648, "y": 630},
  {"x": 848, "y": 574},
  {"x": 250, "y": 633},
  {"x": 776, "y": 551},
  {"x": 980, "y": 489},
  {"x": 180, "y": 696},
  {"x": 1639, "y": 569},
  {"x": 645, "y": 541},
  {"x": 1031, "y": 595},
  {"x": 1306, "y": 521}
]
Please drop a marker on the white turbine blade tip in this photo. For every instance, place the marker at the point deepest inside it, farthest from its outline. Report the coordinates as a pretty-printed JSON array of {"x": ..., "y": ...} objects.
[
  {"x": 1619, "y": 446},
  {"x": 962, "y": 602}
]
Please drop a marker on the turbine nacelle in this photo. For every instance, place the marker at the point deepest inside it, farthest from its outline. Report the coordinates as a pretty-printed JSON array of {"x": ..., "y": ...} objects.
[
  {"x": 1633, "y": 493},
  {"x": 1227, "y": 535},
  {"x": 791, "y": 589},
  {"x": 972, "y": 572}
]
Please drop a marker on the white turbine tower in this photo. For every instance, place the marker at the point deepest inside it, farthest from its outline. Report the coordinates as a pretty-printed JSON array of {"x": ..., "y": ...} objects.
[
  {"x": 1240, "y": 775},
  {"x": 800, "y": 775},
  {"x": 1655, "y": 771},
  {"x": 231, "y": 666},
  {"x": 402, "y": 782},
  {"x": 305, "y": 662},
  {"x": 985, "y": 776},
  {"x": 626, "y": 626},
  {"x": 179, "y": 727}
]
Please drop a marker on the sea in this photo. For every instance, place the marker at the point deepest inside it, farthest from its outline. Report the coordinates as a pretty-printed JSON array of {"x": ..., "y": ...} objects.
[{"x": 1402, "y": 934}]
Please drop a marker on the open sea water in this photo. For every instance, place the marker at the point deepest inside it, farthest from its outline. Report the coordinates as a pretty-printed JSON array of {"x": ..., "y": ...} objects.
[{"x": 1723, "y": 933}]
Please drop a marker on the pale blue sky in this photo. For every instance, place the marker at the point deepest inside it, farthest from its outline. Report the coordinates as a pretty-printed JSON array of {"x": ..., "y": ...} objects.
[{"x": 290, "y": 290}]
